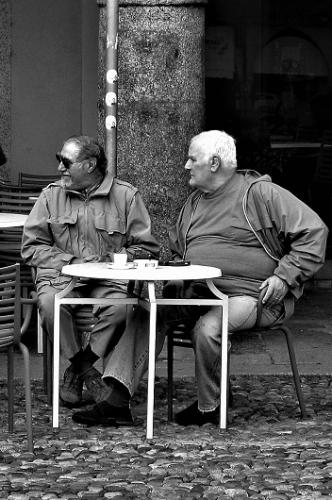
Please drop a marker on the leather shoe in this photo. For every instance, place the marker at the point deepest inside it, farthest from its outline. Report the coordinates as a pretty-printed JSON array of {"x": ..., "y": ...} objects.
[
  {"x": 71, "y": 389},
  {"x": 96, "y": 386},
  {"x": 105, "y": 414},
  {"x": 193, "y": 416}
]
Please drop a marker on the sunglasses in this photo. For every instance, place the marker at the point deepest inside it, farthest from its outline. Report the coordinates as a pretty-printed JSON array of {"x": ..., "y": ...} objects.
[{"x": 65, "y": 161}]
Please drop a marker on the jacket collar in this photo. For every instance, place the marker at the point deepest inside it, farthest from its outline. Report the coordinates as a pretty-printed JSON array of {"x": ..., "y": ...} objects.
[{"x": 103, "y": 189}]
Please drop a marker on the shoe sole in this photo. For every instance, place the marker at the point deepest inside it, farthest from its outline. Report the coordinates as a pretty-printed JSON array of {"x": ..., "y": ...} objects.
[
  {"x": 67, "y": 404},
  {"x": 104, "y": 422}
]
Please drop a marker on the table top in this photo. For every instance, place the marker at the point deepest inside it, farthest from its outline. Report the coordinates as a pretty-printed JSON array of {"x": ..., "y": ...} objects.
[
  {"x": 12, "y": 220},
  {"x": 102, "y": 270},
  {"x": 295, "y": 145}
]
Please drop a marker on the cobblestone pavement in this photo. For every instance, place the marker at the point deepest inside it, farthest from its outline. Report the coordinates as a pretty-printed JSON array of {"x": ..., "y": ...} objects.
[{"x": 268, "y": 452}]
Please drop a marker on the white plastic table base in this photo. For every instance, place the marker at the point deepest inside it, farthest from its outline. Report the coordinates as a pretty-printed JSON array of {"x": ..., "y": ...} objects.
[
  {"x": 11, "y": 220},
  {"x": 151, "y": 302},
  {"x": 221, "y": 301}
]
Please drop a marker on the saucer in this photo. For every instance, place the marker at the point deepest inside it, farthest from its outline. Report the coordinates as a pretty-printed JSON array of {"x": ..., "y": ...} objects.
[{"x": 120, "y": 268}]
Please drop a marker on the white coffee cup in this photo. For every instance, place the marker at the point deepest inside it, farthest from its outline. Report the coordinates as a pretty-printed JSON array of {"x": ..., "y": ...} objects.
[
  {"x": 119, "y": 259},
  {"x": 145, "y": 263}
]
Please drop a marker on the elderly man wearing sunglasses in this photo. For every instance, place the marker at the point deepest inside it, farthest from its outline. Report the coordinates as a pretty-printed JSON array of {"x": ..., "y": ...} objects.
[{"x": 86, "y": 216}]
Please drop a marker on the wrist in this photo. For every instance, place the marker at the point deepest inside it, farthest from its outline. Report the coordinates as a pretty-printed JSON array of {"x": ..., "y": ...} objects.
[{"x": 284, "y": 282}]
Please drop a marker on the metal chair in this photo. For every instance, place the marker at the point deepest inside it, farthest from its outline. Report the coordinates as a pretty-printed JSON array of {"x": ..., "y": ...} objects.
[
  {"x": 10, "y": 335},
  {"x": 36, "y": 180},
  {"x": 14, "y": 199},
  {"x": 321, "y": 182},
  {"x": 323, "y": 172},
  {"x": 18, "y": 200},
  {"x": 306, "y": 133},
  {"x": 179, "y": 337}
]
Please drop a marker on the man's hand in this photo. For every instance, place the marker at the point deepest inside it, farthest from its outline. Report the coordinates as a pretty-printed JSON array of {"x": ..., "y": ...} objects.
[
  {"x": 276, "y": 289},
  {"x": 76, "y": 260}
]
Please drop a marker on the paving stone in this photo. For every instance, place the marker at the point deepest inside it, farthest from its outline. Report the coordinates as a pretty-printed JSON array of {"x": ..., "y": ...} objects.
[{"x": 268, "y": 452}]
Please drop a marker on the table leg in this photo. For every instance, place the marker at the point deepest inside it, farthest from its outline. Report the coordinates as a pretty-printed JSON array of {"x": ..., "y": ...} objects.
[
  {"x": 56, "y": 350},
  {"x": 56, "y": 362},
  {"x": 152, "y": 359},
  {"x": 224, "y": 354}
]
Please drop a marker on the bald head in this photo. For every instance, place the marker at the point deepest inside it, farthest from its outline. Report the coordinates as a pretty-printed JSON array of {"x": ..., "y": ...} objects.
[
  {"x": 218, "y": 143},
  {"x": 211, "y": 160}
]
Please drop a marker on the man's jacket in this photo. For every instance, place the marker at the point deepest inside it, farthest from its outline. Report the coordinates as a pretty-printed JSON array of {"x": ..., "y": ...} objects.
[
  {"x": 65, "y": 224},
  {"x": 288, "y": 230}
]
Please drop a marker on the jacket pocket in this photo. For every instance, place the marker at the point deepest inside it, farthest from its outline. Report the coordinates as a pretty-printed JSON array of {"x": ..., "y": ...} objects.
[
  {"x": 51, "y": 277},
  {"x": 61, "y": 228},
  {"x": 111, "y": 232}
]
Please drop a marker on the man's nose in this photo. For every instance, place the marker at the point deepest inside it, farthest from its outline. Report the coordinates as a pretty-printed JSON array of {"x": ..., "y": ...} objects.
[
  {"x": 61, "y": 167},
  {"x": 187, "y": 165}
]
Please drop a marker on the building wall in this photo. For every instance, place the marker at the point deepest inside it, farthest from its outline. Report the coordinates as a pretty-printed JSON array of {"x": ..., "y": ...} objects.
[
  {"x": 5, "y": 79},
  {"x": 161, "y": 99},
  {"x": 48, "y": 79}
]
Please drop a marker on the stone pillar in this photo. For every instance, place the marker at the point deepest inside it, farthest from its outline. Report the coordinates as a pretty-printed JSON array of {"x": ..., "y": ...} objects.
[
  {"x": 5, "y": 82},
  {"x": 161, "y": 98}
]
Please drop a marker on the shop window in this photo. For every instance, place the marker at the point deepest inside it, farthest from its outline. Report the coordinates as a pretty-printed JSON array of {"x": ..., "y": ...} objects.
[{"x": 290, "y": 87}]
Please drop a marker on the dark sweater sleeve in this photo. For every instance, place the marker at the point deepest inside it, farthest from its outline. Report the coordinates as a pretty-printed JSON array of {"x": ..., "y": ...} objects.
[{"x": 300, "y": 230}]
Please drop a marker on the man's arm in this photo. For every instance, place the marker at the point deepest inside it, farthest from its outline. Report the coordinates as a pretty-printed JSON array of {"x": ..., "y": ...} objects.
[
  {"x": 303, "y": 238},
  {"x": 305, "y": 235},
  {"x": 38, "y": 246}
]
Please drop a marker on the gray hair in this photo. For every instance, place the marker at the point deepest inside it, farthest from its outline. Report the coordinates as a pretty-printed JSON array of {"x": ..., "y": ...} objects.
[
  {"x": 218, "y": 143},
  {"x": 89, "y": 147}
]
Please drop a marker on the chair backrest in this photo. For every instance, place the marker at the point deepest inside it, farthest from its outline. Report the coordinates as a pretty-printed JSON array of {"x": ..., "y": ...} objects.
[
  {"x": 306, "y": 133},
  {"x": 10, "y": 307},
  {"x": 17, "y": 199},
  {"x": 323, "y": 172},
  {"x": 36, "y": 180},
  {"x": 84, "y": 318},
  {"x": 5, "y": 182},
  {"x": 14, "y": 199},
  {"x": 85, "y": 321},
  {"x": 327, "y": 138}
]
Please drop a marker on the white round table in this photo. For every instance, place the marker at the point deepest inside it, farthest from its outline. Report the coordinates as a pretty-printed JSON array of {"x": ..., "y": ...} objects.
[
  {"x": 104, "y": 271},
  {"x": 12, "y": 220}
]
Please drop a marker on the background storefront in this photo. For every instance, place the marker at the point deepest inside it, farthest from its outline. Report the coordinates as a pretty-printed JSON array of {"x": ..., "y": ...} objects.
[
  {"x": 268, "y": 82},
  {"x": 260, "y": 69}
]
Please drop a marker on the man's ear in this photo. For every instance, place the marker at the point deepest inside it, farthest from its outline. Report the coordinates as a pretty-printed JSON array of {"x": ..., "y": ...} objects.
[
  {"x": 215, "y": 163},
  {"x": 92, "y": 165}
]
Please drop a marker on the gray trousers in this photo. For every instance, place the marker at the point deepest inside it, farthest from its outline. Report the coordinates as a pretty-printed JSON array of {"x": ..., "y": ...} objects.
[
  {"x": 129, "y": 360},
  {"x": 110, "y": 319}
]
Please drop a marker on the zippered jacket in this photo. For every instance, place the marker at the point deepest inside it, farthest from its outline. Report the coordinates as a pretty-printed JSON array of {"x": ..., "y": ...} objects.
[
  {"x": 65, "y": 224},
  {"x": 289, "y": 231}
]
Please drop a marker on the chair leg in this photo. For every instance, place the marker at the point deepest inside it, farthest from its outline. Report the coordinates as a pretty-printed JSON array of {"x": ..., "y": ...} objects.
[
  {"x": 40, "y": 335},
  {"x": 229, "y": 395},
  {"x": 27, "y": 376},
  {"x": 47, "y": 367},
  {"x": 170, "y": 375},
  {"x": 45, "y": 362},
  {"x": 10, "y": 375},
  {"x": 297, "y": 382}
]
